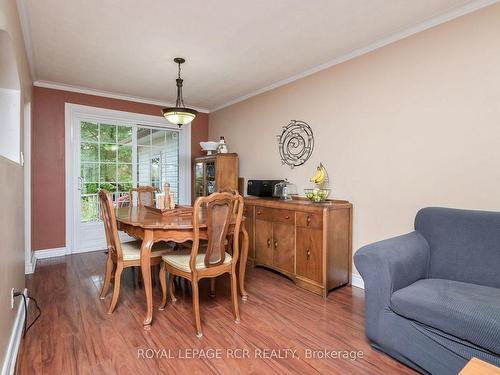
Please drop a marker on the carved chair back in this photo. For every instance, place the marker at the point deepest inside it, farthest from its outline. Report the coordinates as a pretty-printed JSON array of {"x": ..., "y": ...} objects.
[
  {"x": 222, "y": 211},
  {"x": 109, "y": 221},
  {"x": 145, "y": 195}
]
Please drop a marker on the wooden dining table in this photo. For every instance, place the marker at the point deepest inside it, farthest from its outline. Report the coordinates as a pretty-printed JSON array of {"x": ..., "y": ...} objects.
[{"x": 149, "y": 226}]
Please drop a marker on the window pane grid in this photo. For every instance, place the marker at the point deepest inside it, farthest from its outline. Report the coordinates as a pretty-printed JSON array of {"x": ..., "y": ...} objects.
[{"x": 119, "y": 157}]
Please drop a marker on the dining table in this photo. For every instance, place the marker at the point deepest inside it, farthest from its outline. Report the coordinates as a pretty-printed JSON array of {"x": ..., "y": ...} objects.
[{"x": 151, "y": 226}]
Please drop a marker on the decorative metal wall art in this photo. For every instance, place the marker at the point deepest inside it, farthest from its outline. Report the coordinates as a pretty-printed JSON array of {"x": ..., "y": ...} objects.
[{"x": 296, "y": 143}]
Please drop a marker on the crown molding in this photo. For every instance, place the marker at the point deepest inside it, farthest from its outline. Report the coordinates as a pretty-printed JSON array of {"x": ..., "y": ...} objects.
[
  {"x": 25, "y": 29},
  {"x": 437, "y": 20},
  {"x": 107, "y": 94}
]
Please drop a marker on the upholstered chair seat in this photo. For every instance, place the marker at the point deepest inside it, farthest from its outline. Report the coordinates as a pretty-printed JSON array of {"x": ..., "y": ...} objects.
[
  {"x": 132, "y": 250},
  {"x": 180, "y": 260}
]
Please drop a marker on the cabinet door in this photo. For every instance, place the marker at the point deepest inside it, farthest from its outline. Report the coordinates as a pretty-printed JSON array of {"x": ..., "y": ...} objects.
[
  {"x": 248, "y": 212},
  {"x": 210, "y": 173},
  {"x": 263, "y": 242},
  {"x": 283, "y": 243},
  {"x": 227, "y": 171},
  {"x": 309, "y": 253},
  {"x": 199, "y": 179}
]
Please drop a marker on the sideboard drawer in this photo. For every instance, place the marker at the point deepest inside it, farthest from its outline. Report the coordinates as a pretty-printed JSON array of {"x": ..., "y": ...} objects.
[
  {"x": 263, "y": 213},
  {"x": 309, "y": 220},
  {"x": 284, "y": 216}
]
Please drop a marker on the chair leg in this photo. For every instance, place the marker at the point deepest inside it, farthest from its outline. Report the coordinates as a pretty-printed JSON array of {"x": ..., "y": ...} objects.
[
  {"x": 234, "y": 297},
  {"x": 163, "y": 283},
  {"x": 196, "y": 307},
  {"x": 107, "y": 277},
  {"x": 171, "y": 287},
  {"x": 116, "y": 288},
  {"x": 230, "y": 245},
  {"x": 212, "y": 287}
]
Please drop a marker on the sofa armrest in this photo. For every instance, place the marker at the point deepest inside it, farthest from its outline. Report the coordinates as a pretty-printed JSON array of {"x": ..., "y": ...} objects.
[{"x": 387, "y": 266}]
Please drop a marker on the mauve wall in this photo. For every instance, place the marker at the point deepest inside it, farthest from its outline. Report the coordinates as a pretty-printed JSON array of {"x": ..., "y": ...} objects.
[{"x": 48, "y": 178}]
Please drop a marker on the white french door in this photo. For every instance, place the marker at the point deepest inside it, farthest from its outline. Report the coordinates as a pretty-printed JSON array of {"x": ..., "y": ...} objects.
[{"x": 116, "y": 151}]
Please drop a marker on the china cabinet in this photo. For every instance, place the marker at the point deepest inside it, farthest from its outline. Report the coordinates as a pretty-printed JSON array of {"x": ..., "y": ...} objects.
[{"x": 215, "y": 172}]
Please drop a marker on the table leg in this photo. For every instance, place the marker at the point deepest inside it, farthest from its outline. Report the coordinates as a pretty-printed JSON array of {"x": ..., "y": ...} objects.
[
  {"x": 147, "y": 243},
  {"x": 243, "y": 263}
]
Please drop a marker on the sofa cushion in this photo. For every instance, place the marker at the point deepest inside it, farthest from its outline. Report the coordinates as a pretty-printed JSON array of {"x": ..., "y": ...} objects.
[
  {"x": 464, "y": 244},
  {"x": 468, "y": 311}
]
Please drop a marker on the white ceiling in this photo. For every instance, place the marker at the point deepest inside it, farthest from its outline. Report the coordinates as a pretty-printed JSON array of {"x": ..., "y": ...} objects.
[{"x": 233, "y": 47}]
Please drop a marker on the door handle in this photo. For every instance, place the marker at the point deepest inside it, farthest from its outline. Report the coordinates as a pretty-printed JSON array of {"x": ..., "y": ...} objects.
[
  {"x": 308, "y": 254},
  {"x": 268, "y": 243},
  {"x": 80, "y": 183}
]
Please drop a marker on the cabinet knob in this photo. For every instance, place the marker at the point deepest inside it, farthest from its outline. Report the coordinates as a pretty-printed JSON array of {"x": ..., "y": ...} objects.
[
  {"x": 308, "y": 220},
  {"x": 308, "y": 254},
  {"x": 275, "y": 244},
  {"x": 268, "y": 243},
  {"x": 287, "y": 217},
  {"x": 259, "y": 212}
]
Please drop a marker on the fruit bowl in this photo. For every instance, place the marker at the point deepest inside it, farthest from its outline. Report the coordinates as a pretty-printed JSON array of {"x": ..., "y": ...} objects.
[
  {"x": 317, "y": 195},
  {"x": 209, "y": 146}
]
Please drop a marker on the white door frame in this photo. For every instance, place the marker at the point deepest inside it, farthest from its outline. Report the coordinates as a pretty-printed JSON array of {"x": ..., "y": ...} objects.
[
  {"x": 73, "y": 114},
  {"x": 29, "y": 258}
]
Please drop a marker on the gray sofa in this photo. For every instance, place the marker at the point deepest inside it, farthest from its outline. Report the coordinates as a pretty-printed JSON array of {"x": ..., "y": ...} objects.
[{"x": 433, "y": 295}]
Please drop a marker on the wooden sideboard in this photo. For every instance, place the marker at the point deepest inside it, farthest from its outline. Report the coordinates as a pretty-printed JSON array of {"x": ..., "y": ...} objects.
[{"x": 308, "y": 242}]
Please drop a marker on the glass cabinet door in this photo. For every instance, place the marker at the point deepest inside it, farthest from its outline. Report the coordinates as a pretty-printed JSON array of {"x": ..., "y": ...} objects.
[
  {"x": 199, "y": 177},
  {"x": 210, "y": 178}
]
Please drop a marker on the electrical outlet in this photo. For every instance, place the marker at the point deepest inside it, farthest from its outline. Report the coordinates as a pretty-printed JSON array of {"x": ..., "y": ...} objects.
[{"x": 12, "y": 298}]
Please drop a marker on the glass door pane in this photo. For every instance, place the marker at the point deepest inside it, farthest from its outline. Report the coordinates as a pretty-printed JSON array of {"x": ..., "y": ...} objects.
[
  {"x": 210, "y": 177},
  {"x": 118, "y": 157},
  {"x": 198, "y": 180},
  {"x": 158, "y": 159},
  {"x": 105, "y": 163}
]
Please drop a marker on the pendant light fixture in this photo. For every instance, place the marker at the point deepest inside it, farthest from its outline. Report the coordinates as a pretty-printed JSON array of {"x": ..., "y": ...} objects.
[{"x": 179, "y": 114}]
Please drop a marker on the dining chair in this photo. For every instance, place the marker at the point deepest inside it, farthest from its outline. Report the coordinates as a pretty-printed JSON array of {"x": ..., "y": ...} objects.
[
  {"x": 145, "y": 195},
  {"x": 229, "y": 240},
  {"x": 120, "y": 255},
  {"x": 211, "y": 260}
]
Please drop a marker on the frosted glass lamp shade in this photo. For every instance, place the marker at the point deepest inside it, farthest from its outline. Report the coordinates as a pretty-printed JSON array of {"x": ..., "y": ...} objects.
[{"x": 179, "y": 116}]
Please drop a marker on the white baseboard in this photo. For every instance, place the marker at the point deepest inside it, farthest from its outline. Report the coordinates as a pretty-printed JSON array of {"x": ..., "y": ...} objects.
[
  {"x": 357, "y": 281},
  {"x": 62, "y": 251},
  {"x": 89, "y": 250},
  {"x": 9, "y": 364},
  {"x": 30, "y": 266},
  {"x": 50, "y": 253}
]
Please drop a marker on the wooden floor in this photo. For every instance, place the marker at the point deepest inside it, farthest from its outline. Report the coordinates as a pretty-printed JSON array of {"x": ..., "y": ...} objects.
[{"x": 76, "y": 336}]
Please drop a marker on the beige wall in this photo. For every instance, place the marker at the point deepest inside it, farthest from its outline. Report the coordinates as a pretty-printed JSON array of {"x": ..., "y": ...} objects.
[
  {"x": 413, "y": 124},
  {"x": 11, "y": 192}
]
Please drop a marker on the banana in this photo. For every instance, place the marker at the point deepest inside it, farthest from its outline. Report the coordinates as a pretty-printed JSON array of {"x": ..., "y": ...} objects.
[
  {"x": 316, "y": 176},
  {"x": 320, "y": 175}
]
